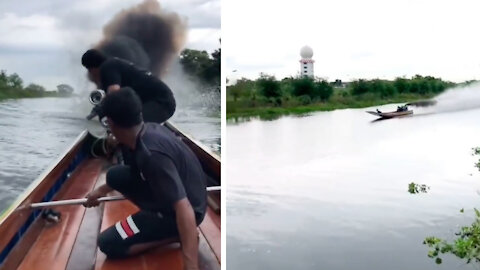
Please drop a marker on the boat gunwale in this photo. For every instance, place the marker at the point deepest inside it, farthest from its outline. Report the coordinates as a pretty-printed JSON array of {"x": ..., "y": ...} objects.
[
  {"x": 28, "y": 191},
  {"x": 216, "y": 170},
  {"x": 199, "y": 144},
  {"x": 14, "y": 227},
  {"x": 391, "y": 114}
]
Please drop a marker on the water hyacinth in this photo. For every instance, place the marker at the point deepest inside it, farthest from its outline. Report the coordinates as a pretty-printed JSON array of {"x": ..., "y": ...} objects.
[{"x": 466, "y": 246}]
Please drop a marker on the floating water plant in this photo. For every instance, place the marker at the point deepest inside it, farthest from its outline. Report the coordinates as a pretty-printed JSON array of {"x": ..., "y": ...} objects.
[
  {"x": 476, "y": 152},
  {"x": 414, "y": 188},
  {"x": 466, "y": 246}
]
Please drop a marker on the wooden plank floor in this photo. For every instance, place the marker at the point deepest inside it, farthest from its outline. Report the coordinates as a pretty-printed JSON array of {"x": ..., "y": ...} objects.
[
  {"x": 84, "y": 250},
  {"x": 52, "y": 248},
  {"x": 167, "y": 257},
  {"x": 58, "y": 247}
]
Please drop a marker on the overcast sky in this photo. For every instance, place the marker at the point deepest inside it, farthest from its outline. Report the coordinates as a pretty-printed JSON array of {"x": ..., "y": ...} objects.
[
  {"x": 353, "y": 39},
  {"x": 43, "y": 40}
]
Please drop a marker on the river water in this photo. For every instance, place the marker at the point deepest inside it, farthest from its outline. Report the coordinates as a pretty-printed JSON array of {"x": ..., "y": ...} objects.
[
  {"x": 329, "y": 190},
  {"x": 34, "y": 132}
]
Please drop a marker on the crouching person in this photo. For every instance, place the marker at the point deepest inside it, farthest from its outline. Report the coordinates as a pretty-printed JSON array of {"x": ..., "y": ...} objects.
[{"x": 165, "y": 180}]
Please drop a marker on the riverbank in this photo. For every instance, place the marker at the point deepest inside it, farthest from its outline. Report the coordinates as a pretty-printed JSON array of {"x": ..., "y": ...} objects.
[
  {"x": 16, "y": 94},
  {"x": 11, "y": 87},
  {"x": 247, "y": 109}
]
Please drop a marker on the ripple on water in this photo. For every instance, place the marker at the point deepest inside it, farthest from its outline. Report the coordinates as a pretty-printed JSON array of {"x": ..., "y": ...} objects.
[{"x": 329, "y": 191}]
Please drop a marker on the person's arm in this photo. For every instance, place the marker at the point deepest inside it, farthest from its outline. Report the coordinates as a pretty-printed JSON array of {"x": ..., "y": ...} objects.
[
  {"x": 92, "y": 197},
  {"x": 187, "y": 228},
  {"x": 167, "y": 185},
  {"x": 113, "y": 87},
  {"x": 110, "y": 76}
]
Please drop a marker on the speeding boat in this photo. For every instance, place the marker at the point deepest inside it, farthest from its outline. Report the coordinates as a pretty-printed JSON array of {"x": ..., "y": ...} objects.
[{"x": 397, "y": 113}]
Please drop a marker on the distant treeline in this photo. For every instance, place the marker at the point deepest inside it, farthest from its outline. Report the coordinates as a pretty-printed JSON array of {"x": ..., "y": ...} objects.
[
  {"x": 202, "y": 66},
  {"x": 416, "y": 85},
  {"x": 267, "y": 89},
  {"x": 11, "y": 86},
  {"x": 267, "y": 95},
  {"x": 305, "y": 90}
]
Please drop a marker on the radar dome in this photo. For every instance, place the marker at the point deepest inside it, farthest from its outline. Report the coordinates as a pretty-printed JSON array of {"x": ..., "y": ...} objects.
[{"x": 306, "y": 52}]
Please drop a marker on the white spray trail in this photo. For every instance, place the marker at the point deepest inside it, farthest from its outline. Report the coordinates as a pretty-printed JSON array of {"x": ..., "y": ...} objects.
[
  {"x": 458, "y": 99},
  {"x": 188, "y": 91}
]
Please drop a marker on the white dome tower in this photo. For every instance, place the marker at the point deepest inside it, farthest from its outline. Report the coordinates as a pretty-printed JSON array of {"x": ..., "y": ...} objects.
[{"x": 306, "y": 63}]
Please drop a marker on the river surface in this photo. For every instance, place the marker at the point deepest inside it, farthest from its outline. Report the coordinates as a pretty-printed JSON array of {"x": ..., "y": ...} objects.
[
  {"x": 34, "y": 132},
  {"x": 330, "y": 190}
]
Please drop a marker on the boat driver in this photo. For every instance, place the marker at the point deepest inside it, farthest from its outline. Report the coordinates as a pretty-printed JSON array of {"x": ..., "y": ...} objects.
[{"x": 110, "y": 74}]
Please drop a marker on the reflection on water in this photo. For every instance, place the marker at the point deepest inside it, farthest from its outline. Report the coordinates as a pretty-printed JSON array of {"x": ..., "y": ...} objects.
[
  {"x": 330, "y": 191},
  {"x": 34, "y": 132}
]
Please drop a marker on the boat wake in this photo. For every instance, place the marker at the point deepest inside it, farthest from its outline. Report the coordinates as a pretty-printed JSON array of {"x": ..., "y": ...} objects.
[{"x": 456, "y": 99}]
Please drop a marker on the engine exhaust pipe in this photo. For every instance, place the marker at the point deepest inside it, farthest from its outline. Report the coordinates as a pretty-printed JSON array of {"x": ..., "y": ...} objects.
[{"x": 96, "y": 97}]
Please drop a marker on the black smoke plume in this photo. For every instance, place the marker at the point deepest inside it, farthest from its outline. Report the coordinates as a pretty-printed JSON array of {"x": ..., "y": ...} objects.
[{"x": 145, "y": 35}]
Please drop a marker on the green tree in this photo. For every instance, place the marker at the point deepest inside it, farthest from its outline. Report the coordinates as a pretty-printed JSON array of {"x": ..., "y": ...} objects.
[
  {"x": 211, "y": 72},
  {"x": 303, "y": 86},
  {"x": 402, "y": 85},
  {"x": 268, "y": 86},
  {"x": 3, "y": 78},
  {"x": 242, "y": 87},
  {"x": 323, "y": 90},
  {"x": 193, "y": 61},
  {"x": 359, "y": 87},
  {"x": 382, "y": 88},
  {"x": 414, "y": 86},
  {"x": 201, "y": 65},
  {"x": 389, "y": 90},
  {"x": 425, "y": 87},
  {"x": 35, "y": 88},
  {"x": 15, "y": 81}
]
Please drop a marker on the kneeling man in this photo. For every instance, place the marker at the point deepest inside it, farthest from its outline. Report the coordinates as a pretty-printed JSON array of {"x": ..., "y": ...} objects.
[{"x": 165, "y": 180}]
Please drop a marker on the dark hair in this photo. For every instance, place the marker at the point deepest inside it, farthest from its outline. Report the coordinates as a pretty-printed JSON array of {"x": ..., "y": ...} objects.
[
  {"x": 123, "y": 107},
  {"x": 93, "y": 58}
]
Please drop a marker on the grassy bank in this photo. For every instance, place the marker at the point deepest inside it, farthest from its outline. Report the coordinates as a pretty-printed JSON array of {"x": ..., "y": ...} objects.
[{"x": 245, "y": 108}]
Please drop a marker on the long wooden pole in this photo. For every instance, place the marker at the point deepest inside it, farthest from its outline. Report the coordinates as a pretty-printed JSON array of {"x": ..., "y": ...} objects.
[{"x": 84, "y": 200}]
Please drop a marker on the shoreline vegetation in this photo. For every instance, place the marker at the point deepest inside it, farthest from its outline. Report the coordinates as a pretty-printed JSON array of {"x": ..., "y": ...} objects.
[
  {"x": 11, "y": 87},
  {"x": 201, "y": 66},
  {"x": 269, "y": 98}
]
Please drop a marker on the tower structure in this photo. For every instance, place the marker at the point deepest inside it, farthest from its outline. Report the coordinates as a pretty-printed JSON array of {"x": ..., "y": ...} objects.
[{"x": 306, "y": 63}]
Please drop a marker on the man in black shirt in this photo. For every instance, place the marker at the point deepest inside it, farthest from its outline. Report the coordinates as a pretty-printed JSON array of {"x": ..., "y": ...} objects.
[
  {"x": 165, "y": 180},
  {"x": 110, "y": 74}
]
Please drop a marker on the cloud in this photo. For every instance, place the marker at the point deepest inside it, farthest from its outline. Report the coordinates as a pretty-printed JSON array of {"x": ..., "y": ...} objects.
[
  {"x": 29, "y": 32},
  {"x": 354, "y": 39},
  {"x": 204, "y": 39},
  {"x": 43, "y": 41},
  {"x": 199, "y": 14}
]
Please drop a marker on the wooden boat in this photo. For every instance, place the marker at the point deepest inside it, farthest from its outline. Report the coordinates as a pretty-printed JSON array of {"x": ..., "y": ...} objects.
[
  {"x": 28, "y": 241},
  {"x": 391, "y": 114}
]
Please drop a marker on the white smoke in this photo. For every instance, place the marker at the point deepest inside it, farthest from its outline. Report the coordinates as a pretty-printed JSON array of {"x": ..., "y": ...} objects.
[{"x": 459, "y": 98}]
